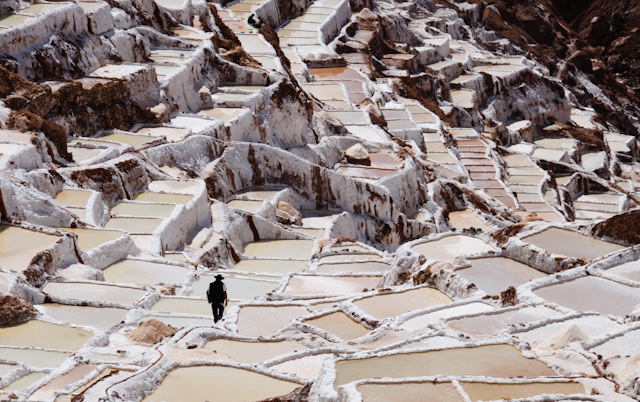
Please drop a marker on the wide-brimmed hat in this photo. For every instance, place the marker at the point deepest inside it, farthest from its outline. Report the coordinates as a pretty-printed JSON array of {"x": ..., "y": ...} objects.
[{"x": 219, "y": 277}]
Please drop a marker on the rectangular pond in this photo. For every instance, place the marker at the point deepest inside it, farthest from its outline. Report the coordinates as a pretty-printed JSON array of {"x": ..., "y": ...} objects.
[
  {"x": 392, "y": 304},
  {"x": 449, "y": 247},
  {"x": 42, "y": 334},
  {"x": 100, "y": 318},
  {"x": 145, "y": 272},
  {"x": 268, "y": 265},
  {"x": 18, "y": 246},
  {"x": 264, "y": 320},
  {"x": 570, "y": 243},
  {"x": 578, "y": 294},
  {"x": 330, "y": 285},
  {"x": 288, "y": 249},
  {"x": 496, "y": 274},
  {"x": 503, "y": 361},
  {"x": 94, "y": 292},
  {"x": 185, "y": 384},
  {"x": 409, "y": 392},
  {"x": 340, "y": 325}
]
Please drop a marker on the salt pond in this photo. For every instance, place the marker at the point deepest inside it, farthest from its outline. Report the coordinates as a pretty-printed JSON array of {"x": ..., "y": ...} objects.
[
  {"x": 186, "y": 384},
  {"x": 393, "y": 304},
  {"x": 144, "y": 272},
  {"x": 252, "y": 352},
  {"x": 490, "y": 360},
  {"x": 409, "y": 392},
  {"x": 449, "y": 247},
  {"x": 570, "y": 243},
  {"x": 340, "y": 325},
  {"x": 613, "y": 298},
  {"x": 100, "y": 318},
  {"x": 268, "y": 265},
  {"x": 496, "y": 274},
  {"x": 18, "y": 246},
  {"x": 287, "y": 249},
  {"x": 44, "y": 334}
]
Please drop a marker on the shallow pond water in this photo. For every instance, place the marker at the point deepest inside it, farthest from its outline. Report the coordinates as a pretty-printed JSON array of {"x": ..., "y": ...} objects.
[
  {"x": 44, "y": 335},
  {"x": 88, "y": 239},
  {"x": 265, "y": 320},
  {"x": 271, "y": 265},
  {"x": 628, "y": 270},
  {"x": 100, "y": 318},
  {"x": 173, "y": 198},
  {"x": 489, "y": 360},
  {"x": 340, "y": 325},
  {"x": 144, "y": 272},
  {"x": 295, "y": 249},
  {"x": 353, "y": 267},
  {"x": 488, "y": 325},
  {"x": 613, "y": 298},
  {"x": 22, "y": 383},
  {"x": 134, "y": 225},
  {"x": 183, "y": 305},
  {"x": 326, "y": 285},
  {"x": 94, "y": 292},
  {"x": 570, "y": 243},
  {"x": 466, "y": 219},
  {"x": 488, "y": 392},
  {"x": 306, "y": 368},
  {"x": 129, "y": 139},
  {"x": 496, "y": 274},
  {"x": 449, "y": 247},
  {"x": 409, "y": 392},
  {"x": 420, "y": 322},
  {"x": 18, "y": 246},
  {"x": 142, "y": 209},
  {"x": 36, "y": 358},
  {"x": 393, "y": 304},
  {"x": 251, "y": 206},
  {"x": 252, "y": 352},
  {"x": 186, "y": 384},
  {"x": 73, "y": 197}
]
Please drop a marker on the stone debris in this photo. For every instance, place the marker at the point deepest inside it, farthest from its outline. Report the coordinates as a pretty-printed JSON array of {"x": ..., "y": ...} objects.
[{"x": 394, "y": 192}]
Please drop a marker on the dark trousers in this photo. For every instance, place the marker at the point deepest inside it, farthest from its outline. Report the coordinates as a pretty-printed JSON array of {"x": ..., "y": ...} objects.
[{"x": 218, "y": 309}]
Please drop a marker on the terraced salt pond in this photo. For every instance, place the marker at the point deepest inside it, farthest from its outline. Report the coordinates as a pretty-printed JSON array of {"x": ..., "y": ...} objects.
[
  {"x": 251, "y": 352},
  {"x": 18, "y": 246},
  {"x": 449, "y": 247},
  {"x": 145, "y": 210},
  {"x": 328, "y": 285},
  {"x": 488, "y": 391},
  {"x": 496, "y": 274},
  {"x": 101, "y": 318},
  {"x": 42, "y": 334},
  {"x": 472, "y": 361},
  {"x": 613, "y": 298},
  {"x": 185, "y": 384},
  {"x": 143, "y": 272},
  {"x": 93, "y": 292},
  {"x": 393, "y": 304},
  {"x": 288, "y": 249},
  {"x": 264, "y": 320},
  {"x": 353, "y": 267},
  {"x": 340, "y": 325},
  {"x": 34, "y": 357},
  {"x": 134, "y": 225},
  {"x": 570, "y": 243}
]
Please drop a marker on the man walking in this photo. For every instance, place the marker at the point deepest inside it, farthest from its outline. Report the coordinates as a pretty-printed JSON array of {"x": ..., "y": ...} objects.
[{"x": 217, "y": 296}]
